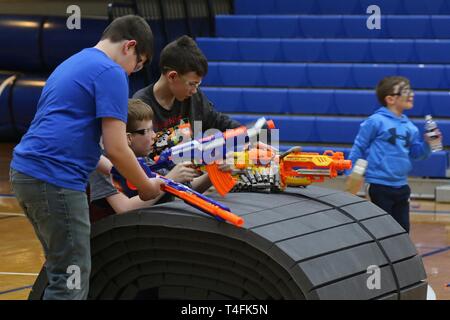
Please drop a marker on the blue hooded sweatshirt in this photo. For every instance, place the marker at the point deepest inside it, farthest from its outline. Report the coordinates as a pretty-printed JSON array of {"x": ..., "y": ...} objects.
[{"x": 388, "y": 143}]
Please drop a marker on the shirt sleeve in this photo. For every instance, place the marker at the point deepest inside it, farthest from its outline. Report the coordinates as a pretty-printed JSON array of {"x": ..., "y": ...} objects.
[
  {"x": 111, "y": 94},
  {"x": 100, "y": 186},
  {"x": 367, "y": 133},
  {"x": 420, "y": 149}
]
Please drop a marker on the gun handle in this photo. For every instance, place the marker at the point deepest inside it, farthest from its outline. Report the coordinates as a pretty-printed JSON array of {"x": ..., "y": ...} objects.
[{"x": 222, "y": 181}]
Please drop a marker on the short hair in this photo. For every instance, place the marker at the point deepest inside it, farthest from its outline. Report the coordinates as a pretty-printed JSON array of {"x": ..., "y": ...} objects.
[
  {"x": 389, "y": 86},
  {"x": 184, "y": 56},
  {"x": 131, "y": 27},
  {"x": 138, "y": 110}
]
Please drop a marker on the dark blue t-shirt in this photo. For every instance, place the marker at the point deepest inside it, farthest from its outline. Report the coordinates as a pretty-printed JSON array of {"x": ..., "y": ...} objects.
[{"x": 61, "y": 146}]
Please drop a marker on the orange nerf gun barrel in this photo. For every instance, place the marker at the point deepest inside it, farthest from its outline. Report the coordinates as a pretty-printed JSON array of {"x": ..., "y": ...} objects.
[{"x": 206, "y": 206}]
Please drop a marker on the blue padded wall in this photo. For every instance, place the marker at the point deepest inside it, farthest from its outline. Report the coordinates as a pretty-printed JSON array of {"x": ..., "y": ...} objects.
[
  {"x": 7, "y": 130},
  {"x": 59, "y": 43},
  {"x": 20, "y": 38}
]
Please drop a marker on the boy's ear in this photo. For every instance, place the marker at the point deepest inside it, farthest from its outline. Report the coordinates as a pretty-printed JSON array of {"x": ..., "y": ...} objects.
[
  {"x": 389, "y": 100},
  {"x": 129, "y": 139},
  {"x": 171, "y": 74},
  {"x": 128, "y": 45}
]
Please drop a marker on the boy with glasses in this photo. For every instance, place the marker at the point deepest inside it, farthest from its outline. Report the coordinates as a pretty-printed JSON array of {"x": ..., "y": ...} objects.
[
  {"x": 388, "y": 140},
  {"x": 106, "y": 195},
  {"x": 176, "y": 97},
  {"x": 85, "y": 97},
  {"x": 177, "y": 101}
]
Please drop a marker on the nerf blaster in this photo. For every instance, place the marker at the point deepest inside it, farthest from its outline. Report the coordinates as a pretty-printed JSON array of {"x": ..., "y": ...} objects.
[
  {"x": 264, "y": 169},
  {"x": 211, "y": 148},
  {"x": 189, "y": 196}
]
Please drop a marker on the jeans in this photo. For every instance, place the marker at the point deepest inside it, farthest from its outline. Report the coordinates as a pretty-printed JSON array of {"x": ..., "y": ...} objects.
[
  {"x": 394, "y": 201},
  {"x": 60, "y": 218}
]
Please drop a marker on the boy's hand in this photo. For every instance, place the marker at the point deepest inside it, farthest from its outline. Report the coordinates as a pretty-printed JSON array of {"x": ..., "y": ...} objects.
[
  {"x": 228, "y": 164},
  {"x": 151, "y": 189},
  {"x": 183, "y": 172},
  {"x": 439, "y": 134}
]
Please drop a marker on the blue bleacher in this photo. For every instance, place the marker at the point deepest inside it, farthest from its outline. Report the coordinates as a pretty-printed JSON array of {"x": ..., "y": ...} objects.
[
  {"x": 331, "y": 26},
  {"x": 420, "y": 51},
  {"x": 317, "y": 75},
  {"x": 319, "y": 101},
  {"x": 283, "y": 7}
]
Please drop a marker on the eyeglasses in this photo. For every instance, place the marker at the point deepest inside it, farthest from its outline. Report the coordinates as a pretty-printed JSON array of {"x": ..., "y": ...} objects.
[
  {"x": 138, "y": 66},
  {"x": 142, "y": 132},
  {"x": 405, "y": 92},
  {"x": 191, "y": 84}
]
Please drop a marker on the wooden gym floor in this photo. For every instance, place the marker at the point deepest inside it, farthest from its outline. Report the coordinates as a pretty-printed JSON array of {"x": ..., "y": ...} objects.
[{"x": 21, "y": 255}]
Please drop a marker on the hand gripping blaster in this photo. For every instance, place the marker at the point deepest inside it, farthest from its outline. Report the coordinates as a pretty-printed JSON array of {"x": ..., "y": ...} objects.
[
  {"x": 191, "y": 197},
  {"x": 206, "y": 151}
]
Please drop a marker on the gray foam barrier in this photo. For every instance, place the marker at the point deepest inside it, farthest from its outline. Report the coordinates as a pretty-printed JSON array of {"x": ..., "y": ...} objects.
[{"x": 306, "y": 243}]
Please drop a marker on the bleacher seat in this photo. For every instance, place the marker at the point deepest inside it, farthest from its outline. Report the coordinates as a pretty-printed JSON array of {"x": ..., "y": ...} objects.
[
  {"x": 419, "y": 51},
  {"x": 330, "y": 26},
  {"x": 261, "y": 101},
  {"x": 429, "y": 7},
  {"x": 317, "y": 75},
  {"x": 320, "y": 101}
]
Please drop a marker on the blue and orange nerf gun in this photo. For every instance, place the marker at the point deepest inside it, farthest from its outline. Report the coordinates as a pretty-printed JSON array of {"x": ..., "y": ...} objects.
[
  {"x": 189, "y": 196},
  {"x": 206, "y": 151}
]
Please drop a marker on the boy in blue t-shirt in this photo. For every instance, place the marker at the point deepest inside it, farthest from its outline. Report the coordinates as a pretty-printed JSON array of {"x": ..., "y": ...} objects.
[
  {"x": 85, "y": 97},
  {"x": 388, "y": 140}
]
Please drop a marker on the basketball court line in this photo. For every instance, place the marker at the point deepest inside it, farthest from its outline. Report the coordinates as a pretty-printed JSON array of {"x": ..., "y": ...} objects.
[
  {"x": 18, "y": 274},
  {"x": 16, "y": 289}
]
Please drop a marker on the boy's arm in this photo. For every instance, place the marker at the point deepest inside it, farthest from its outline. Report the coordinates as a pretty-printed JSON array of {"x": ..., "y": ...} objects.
[
  {"x": 367, "y": 132},
  {"x": 123, "y": 158},
  {"x": 420, "y": 149},
  {"x": 202, "y": 183},
  {"x": 104, "y": 165},
  {"x": 121, "y": 203}
]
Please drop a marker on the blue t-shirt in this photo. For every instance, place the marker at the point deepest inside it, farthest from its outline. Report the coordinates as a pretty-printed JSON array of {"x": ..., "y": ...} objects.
[{"x": 61, "y": 146}]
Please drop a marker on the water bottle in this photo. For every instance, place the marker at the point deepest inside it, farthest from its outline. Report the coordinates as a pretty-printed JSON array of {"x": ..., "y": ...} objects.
[
  {"x": 431, "y": 132},
  {"x": 356, "y": 179}
]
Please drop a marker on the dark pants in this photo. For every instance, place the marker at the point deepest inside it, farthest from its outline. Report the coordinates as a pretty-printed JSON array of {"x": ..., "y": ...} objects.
[
  {"x": 394, "y": 201},
  {"x": 60, "y": 218}
]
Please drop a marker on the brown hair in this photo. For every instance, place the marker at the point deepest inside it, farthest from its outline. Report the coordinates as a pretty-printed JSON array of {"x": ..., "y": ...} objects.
[
  {"x": 389, "y": 86},
  {"x": 131, "y": 27},
  {"x": 184, "y": 56},
  {"x": 138, "y": 110}
]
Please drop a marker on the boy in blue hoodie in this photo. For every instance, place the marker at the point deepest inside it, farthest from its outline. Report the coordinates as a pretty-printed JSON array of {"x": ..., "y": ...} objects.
[{"x": 388, "y": 140}]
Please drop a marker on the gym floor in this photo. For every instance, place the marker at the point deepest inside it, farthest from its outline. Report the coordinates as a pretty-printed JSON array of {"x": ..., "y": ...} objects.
[{"x": 21, "y": 255}]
